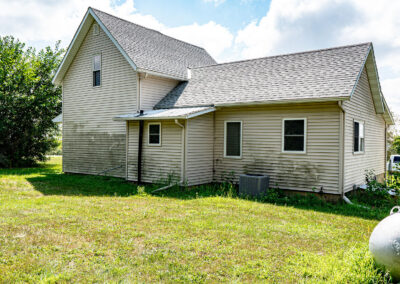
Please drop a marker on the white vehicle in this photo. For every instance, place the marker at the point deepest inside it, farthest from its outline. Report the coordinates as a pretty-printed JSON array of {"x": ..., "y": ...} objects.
[{"x": 393, "y": 165}]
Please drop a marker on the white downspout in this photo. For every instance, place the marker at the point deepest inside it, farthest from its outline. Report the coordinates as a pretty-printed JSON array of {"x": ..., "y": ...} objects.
[
  {"x": 183, "y": 152},
  {"x": 342, "y": 142}
]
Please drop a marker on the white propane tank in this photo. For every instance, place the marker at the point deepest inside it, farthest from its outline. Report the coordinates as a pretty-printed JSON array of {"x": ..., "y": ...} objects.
[{"x": 384, "y": 243}]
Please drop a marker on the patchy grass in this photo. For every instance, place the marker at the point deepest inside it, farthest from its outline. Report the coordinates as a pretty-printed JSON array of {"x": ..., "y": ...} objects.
[{"x": 56, "y": 227}]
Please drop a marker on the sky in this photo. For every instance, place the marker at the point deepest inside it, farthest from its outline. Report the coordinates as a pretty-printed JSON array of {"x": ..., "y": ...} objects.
[{"x": 230, "y": 29}]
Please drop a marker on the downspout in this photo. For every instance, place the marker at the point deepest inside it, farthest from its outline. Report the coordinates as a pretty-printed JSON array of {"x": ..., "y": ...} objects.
[
  {"x": 385, "y": 149},
  {"x": 140, "y": 146},
  {"x": 342, "y": 148},
  {"x": 183, "y": 152}
]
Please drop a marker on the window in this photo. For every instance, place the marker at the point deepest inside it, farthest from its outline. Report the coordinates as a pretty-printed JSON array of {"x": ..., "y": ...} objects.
[
  {"x": 96, "y": 70},
  {"x": 233, "y": 139},
  {"x": 358, "y": 137},
  {"x": 96, "y": 29},
  {"x": 294, "y": 135},
  {"x": 155, "y": 134}
]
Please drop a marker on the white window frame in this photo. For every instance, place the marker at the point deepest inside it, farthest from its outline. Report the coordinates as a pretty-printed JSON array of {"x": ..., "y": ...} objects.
[
  {"x": 305, "y": 135},
  {"x": 241, "y": 138},
  {"x": 93, "y": 70},
  {"x": 148, "y": 134},
  {"x": 359, "y": 137}
]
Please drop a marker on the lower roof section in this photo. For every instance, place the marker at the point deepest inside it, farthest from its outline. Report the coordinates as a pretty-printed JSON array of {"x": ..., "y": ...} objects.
[{"x": 163, "y": 114}]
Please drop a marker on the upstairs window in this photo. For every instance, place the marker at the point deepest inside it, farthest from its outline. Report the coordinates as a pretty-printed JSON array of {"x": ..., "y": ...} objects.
[
  {"x": 155, "y": 134},
  {"x": 96, "y": 70},
  {"x": 358, "y": 137},
  {"x": 294, "y": 135},
  {"x": 233, "y": 139}
]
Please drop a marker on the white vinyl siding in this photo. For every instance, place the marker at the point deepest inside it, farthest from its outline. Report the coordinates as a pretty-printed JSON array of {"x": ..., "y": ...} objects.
[
  {"x": 153, "y": 89},
  {"x": 157, "y": 162},
  {"x": 262, "y": 145},
  {"x": 199, "y": 151},
  {"x": 361, "y": 108},
  {"x": 92, "y": 141}
]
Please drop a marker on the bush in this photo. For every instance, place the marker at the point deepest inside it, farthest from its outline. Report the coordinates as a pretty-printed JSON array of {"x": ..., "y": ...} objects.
[
  {"x": 376, "y": 194},
  {"x": 28, "y": 102}
]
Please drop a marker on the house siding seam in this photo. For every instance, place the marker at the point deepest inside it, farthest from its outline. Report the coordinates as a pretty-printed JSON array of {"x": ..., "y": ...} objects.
[
  {"x": 153, "y": 89},
  {"x": 199, "y": 152},
  {"x": 92, "y": 141},
  {"x": 158, "y": 162},
  {"x": 361, "y": 108},
  {"x": 262, "y": 150}
]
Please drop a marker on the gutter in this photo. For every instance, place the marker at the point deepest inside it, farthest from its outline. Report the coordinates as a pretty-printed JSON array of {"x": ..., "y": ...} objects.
[{"x": 288, "y": 101}]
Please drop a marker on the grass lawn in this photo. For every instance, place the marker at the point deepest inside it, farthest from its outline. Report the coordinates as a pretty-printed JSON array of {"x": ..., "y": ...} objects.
[{"x": 57, "y": 227}]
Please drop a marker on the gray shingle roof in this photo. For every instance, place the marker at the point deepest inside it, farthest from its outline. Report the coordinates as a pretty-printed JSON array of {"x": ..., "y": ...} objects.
[
  {"x": 153, "y": 51},
  {"x": 320, "y": 74}
]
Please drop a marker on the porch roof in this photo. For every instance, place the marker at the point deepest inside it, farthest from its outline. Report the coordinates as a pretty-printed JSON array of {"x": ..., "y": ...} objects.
[{"x": 163, "y": 114}]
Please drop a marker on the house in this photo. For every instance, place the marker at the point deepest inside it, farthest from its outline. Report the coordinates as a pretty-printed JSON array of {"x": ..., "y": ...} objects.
[{"x": 143, "y": 106}]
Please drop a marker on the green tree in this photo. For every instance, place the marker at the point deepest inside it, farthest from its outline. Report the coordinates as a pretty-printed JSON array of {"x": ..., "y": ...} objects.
[
  {"x": 396, "y": 145},
  {"x": 28, "y": 102}
]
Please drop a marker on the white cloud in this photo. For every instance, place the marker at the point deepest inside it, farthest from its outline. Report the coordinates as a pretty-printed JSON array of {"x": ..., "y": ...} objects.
[
  {"x": 216, "y": 2},
  {"x": 288, "y": 26},
  {"x": 296, "y": 25},
  {"x": 43, "y": 22}
]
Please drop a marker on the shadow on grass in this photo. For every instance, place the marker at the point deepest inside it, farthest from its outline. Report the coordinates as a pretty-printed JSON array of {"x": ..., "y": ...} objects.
[{"x": 87, "y": 185}]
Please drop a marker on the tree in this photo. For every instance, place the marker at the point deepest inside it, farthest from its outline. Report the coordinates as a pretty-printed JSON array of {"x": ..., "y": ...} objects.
[
  {"x": 396, "y": 145},
  {"x": 28, "y": 102}
]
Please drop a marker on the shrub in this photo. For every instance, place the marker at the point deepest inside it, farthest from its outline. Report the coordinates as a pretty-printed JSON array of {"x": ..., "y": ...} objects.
[{"x": 28, "y": 102}]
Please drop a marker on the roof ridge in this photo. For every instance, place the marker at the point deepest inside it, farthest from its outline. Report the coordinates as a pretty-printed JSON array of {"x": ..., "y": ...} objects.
[
  {"x": 153, "y": 30},
  {"x": 284, "y": 54}
]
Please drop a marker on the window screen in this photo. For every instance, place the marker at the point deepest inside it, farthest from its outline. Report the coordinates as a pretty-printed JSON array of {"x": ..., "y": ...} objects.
[
  {"x": 96, "y": 70},
  {"x": 294, "y": 135},
  {"x": 358, "y": 137},
  {"x": 233, "y": 139},
  {"x": 154, "y": 134}
]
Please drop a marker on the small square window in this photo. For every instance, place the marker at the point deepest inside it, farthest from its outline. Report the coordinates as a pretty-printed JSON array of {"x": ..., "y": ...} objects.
[
  {"x": 155, "y": 134},
  {"x": 294, "y": 135}
]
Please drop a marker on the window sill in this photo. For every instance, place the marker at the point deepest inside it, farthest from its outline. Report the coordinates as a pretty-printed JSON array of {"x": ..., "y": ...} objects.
[
  {"x": 233, "y": 157},
  {"x": 294, "y": 152},
  {"x": 359, "y": 153},
  {"x": 154, "y": 145}
]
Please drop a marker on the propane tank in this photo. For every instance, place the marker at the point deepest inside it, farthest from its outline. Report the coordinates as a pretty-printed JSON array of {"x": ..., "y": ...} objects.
[{"x": 384, "y": 243}]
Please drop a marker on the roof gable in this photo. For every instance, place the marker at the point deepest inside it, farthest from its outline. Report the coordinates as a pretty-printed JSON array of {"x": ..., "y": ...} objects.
[{"x": 146, "y": 50}]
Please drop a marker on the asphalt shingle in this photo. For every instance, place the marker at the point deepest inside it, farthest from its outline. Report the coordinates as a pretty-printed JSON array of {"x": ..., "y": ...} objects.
[
  {"x": 153, "y": 51},
  {"x": 319, "y": 74}
]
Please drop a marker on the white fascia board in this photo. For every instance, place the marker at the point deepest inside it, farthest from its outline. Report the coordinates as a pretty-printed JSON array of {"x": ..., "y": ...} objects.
[
  {"x": 103, "y": 27},
  {"x": 360, "y": 72},
  {"x": 84, "y": 24},
  {"x": 56, "y": 80}
]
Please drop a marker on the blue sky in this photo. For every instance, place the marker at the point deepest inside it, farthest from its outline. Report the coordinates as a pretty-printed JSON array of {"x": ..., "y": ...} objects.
[
  {"x": 230, "y": 29},
  {"x": 233, "y": 14}
]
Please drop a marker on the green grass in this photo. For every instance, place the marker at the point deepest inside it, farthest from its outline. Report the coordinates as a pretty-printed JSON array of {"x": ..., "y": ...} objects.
[{"x": 57, "y": 227}]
